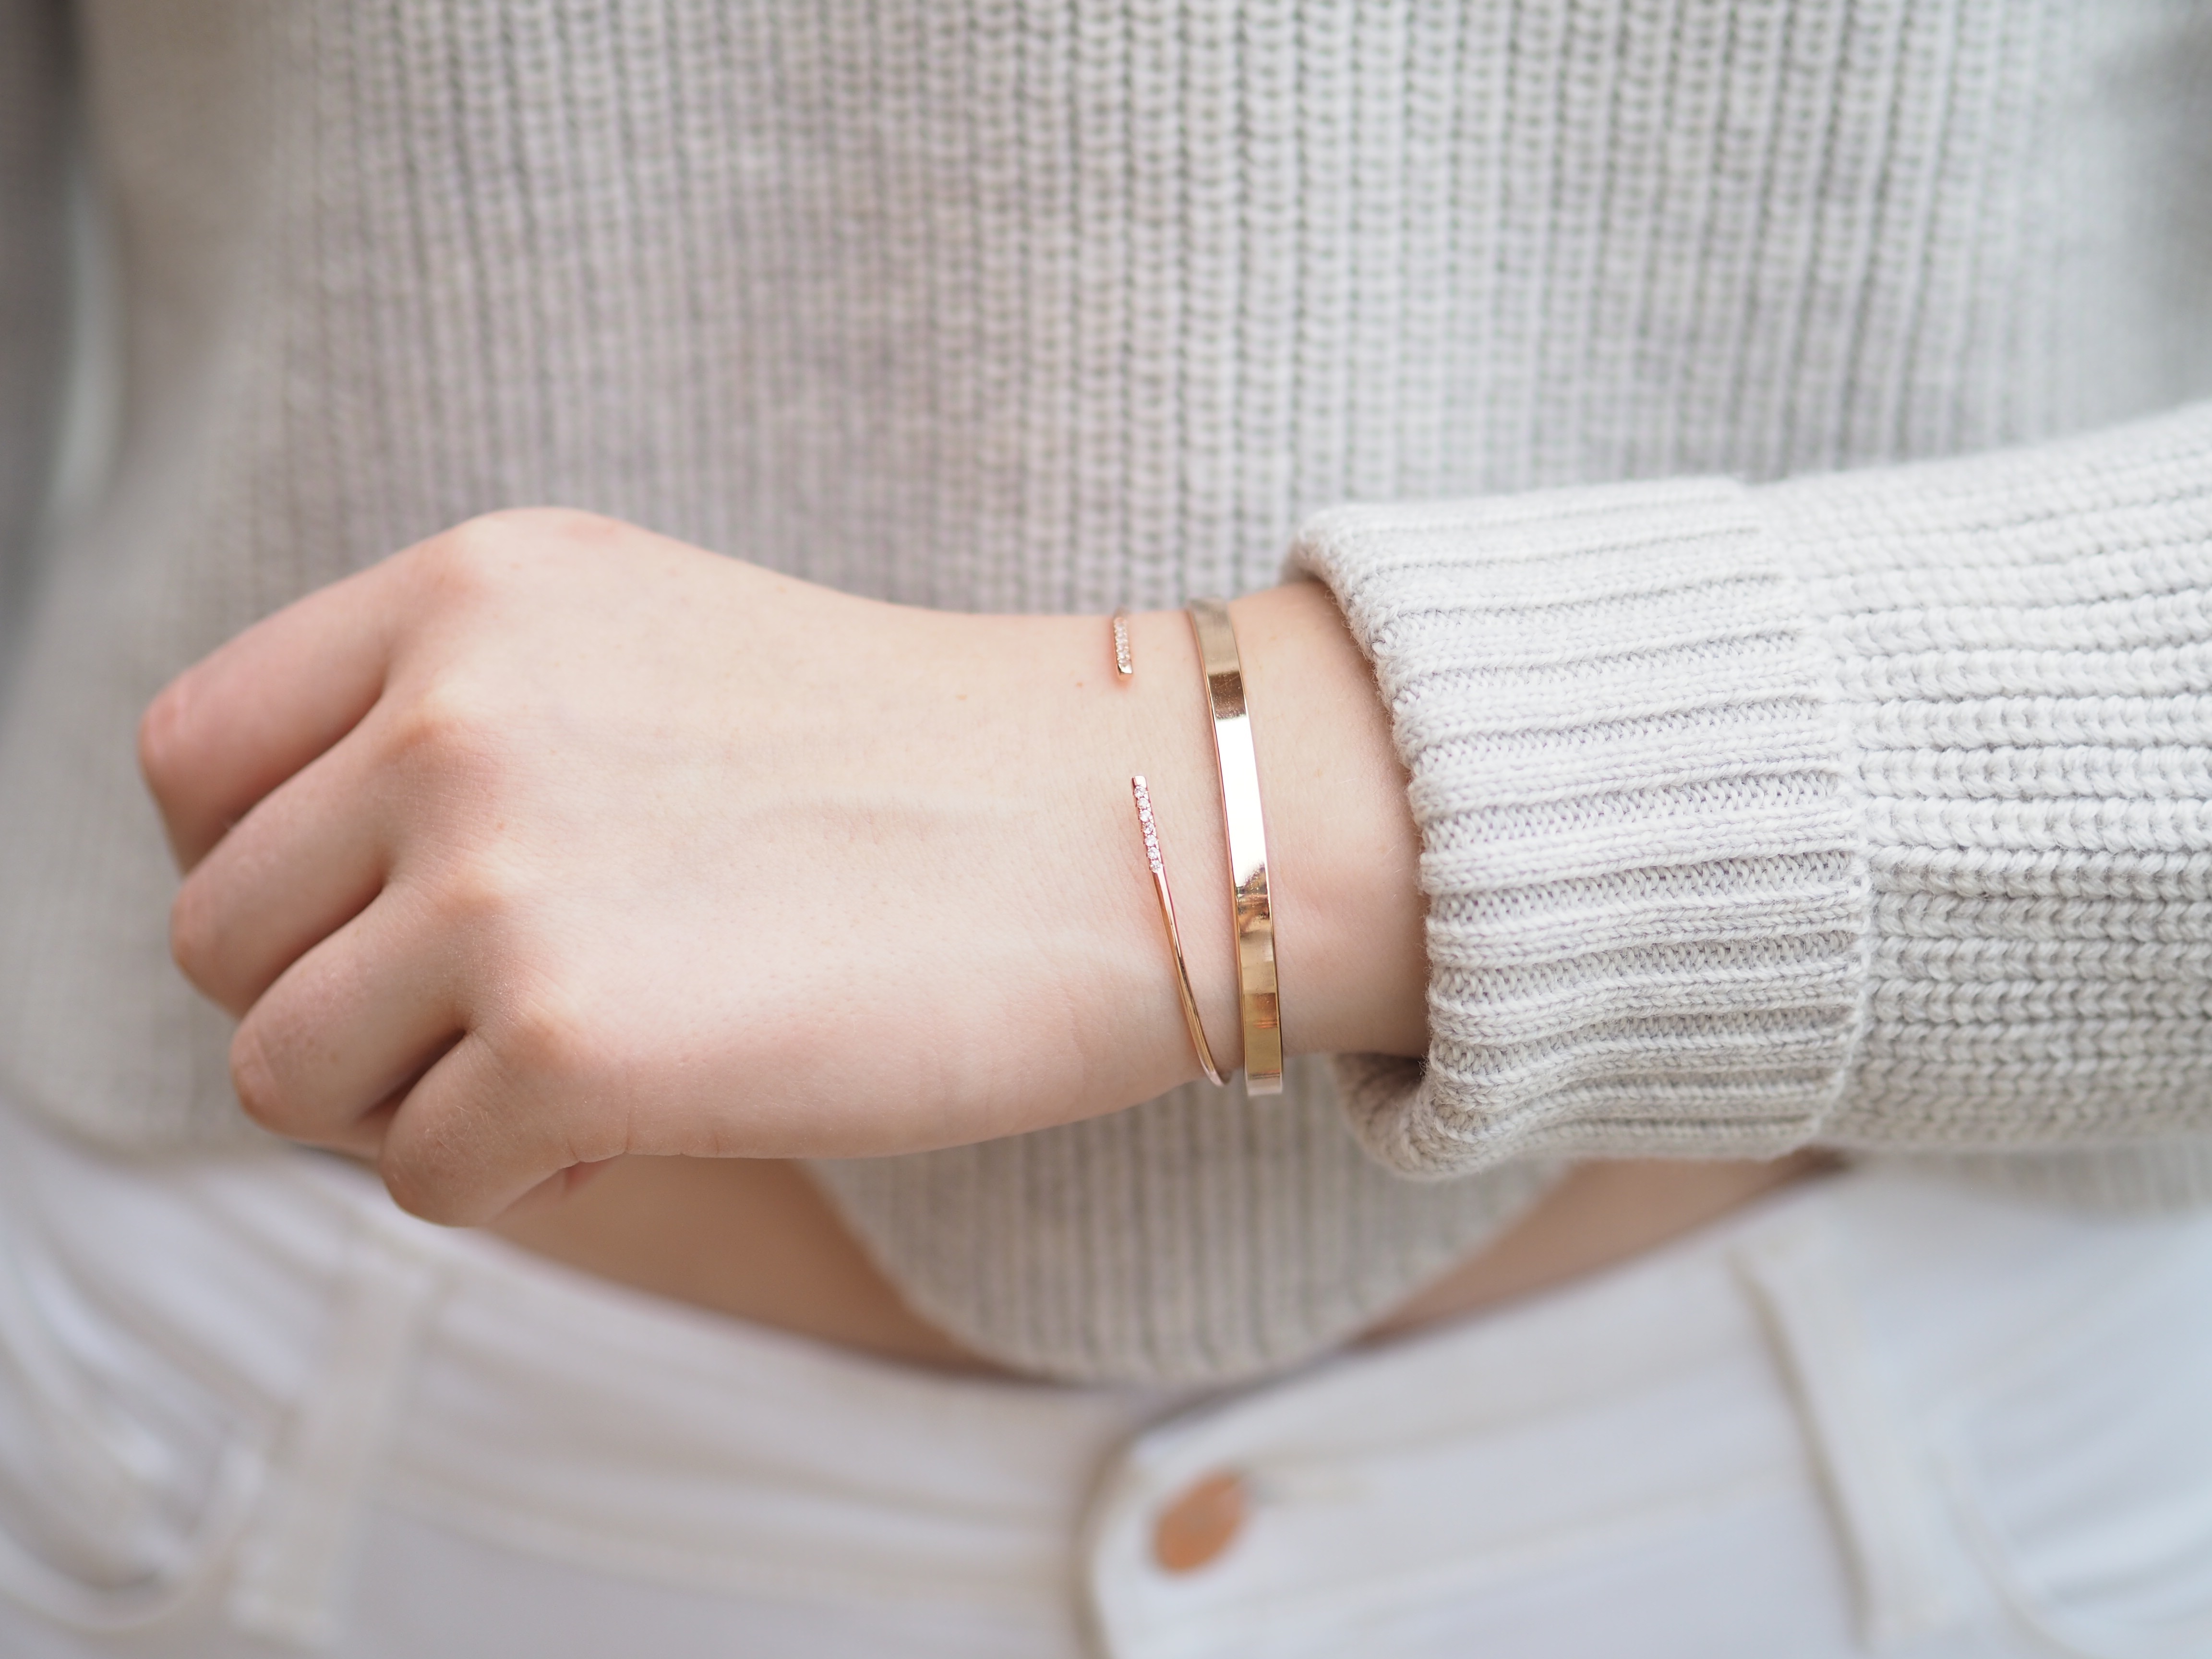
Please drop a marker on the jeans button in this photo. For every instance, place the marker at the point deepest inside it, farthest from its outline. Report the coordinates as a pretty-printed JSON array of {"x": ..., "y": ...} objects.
[{"x": 1193, "y": 1531}]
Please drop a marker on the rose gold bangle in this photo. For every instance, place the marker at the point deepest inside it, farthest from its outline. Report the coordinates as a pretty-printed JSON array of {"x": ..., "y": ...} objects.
[
  {"x": 1175, "y": 935},
  {"x": 1125, "y": 665},
  {"x": 1257, "y": 998}
]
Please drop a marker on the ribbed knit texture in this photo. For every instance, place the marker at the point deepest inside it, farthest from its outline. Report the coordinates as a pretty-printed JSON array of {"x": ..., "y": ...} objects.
[
  {"x": 2024, "y": 646},
  {"x": 1050, "y": 304},
  {"x": 1639, "y": 847},
  {"x": 1204, "y": 1235},
  {"x": 1872, "y": 809}
]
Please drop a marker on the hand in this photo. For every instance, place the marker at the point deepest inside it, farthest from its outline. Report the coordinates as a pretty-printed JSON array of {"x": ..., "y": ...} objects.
[{"x": 551, "y": 840}]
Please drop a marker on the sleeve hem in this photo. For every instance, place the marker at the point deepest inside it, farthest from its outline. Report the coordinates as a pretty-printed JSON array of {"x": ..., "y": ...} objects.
[{"x": 1642, "y": 851}]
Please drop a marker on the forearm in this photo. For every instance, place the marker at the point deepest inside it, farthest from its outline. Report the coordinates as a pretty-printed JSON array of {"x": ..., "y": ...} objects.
[
  {"x": 1344, "y": 854},
  {"x": 551, "y": 840}
]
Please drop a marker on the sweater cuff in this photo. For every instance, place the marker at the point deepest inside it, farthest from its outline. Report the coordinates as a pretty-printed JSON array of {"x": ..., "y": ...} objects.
[{"x": 1647, "y": 897}]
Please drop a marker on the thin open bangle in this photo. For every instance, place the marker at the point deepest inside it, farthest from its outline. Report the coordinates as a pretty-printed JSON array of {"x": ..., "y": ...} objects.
[
  {"x": 1257, "y": 999},
  {"x": 1175, "y": 934},
  {"x": 1125, "y": 665}
]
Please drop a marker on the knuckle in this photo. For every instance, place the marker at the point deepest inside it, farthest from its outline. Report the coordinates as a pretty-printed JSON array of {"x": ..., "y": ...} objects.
[
  {"x": 424, "y": 1171},
  {"x": 546, "y": 1038},
  {"x": 483, "y": 555},
  {"x": 481, "y": 900},
  {"x": 471, "y": 559},
  {"x": 538, "y": 526},
  {"x": 254, "y": 1078},
  {"x": 195, "y": 934},
  {"x": 163, "y": 744},
  {"x": 447, "y": 726},
  {"x": 420, "y": 1192},
  {"x": 205, "y": 945}
]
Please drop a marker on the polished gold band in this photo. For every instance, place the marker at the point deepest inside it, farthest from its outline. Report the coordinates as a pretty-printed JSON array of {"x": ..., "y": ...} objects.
[
  {"x": 1257, "y": 999},
  {"x": 1175, "y": 934}
]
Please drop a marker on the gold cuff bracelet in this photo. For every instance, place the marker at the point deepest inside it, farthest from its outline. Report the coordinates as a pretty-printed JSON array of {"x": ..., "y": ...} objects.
[{"x": 1257, "y": 998}]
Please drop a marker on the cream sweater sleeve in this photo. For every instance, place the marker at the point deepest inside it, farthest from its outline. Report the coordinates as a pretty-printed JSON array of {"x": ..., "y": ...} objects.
[{"x": 1872, "y": 810}]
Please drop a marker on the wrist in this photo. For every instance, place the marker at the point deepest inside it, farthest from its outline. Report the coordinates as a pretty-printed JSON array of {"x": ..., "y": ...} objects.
[
  {"x": 1343, "y": 850},
  {"x": 1159, "y": 728}
]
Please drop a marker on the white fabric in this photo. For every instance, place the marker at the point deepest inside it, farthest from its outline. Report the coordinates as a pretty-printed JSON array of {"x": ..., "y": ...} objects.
[{"x": 449, "y": 1448}]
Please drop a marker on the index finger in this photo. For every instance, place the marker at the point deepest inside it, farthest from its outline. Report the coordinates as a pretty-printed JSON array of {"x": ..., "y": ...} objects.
[{"x": 246, "y": 717}]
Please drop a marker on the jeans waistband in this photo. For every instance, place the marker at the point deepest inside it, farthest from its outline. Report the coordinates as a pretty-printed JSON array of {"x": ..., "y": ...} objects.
[{"x": 345, "y": 1354}]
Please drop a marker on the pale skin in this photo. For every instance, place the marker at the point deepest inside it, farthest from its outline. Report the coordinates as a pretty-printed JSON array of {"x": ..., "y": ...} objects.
[{"x": 551, "y": 841}]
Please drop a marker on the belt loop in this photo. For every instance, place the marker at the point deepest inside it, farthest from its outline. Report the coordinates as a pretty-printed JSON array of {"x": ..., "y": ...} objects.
[
  {"x": 1881, "y": 1492},
  {"x": 292, "y": 1561}
]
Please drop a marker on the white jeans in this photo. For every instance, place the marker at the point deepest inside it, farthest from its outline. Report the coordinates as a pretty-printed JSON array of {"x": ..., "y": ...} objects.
[{"x": 247, "y": 1408}]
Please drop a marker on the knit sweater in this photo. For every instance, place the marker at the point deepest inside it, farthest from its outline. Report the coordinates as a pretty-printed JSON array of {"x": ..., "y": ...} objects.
[{"x": 1731, "y": 428}]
